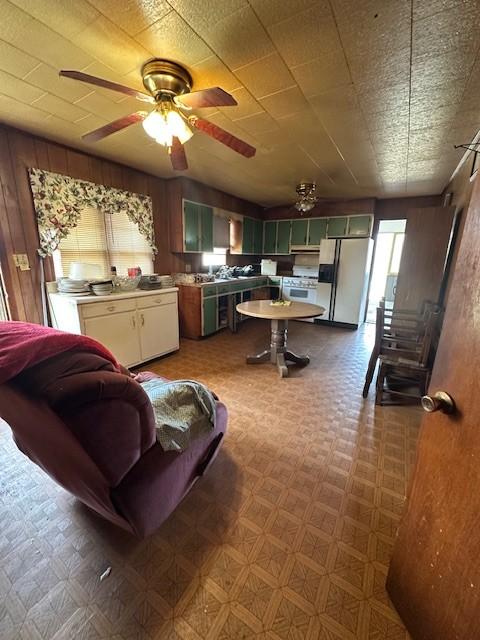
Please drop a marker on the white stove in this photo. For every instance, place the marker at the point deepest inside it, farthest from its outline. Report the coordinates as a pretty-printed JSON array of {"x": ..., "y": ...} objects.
[{"x": 302, "y": 286}]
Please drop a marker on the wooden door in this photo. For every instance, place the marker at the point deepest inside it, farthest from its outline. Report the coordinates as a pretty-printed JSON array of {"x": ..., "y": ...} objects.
[
  {"x": 206, "y": 228},
  {"x": 119, "y": 333},
  {"x": 258, "y": 237},
  {"x": 283, "y": 236},
  {"x": 434, "y": 576},
  {"x": 248, "y": 231},
  {"x": 299, "y": 233},
  {"x": 270, "y": 238},
  {"x": 317, "y": 230},
  {"x": 191, "y": 226},
  {"x": 158, "y": 330},
  {"x": 427, "y": 238}
]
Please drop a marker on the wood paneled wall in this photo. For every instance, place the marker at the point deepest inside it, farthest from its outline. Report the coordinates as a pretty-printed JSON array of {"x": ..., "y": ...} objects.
[
  {"x": 18, "y": 229},
  {"x": 323, "y": 209}
]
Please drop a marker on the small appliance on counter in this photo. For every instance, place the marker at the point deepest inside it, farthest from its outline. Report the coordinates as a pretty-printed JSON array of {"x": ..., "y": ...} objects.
[{"x": 149, "y": 282}]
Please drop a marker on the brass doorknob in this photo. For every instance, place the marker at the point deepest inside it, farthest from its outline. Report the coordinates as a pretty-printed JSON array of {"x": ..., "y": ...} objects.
[{"x": 440, "y": 401}]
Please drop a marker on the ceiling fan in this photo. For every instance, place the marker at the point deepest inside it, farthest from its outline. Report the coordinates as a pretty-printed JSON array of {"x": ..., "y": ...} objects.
[
  {"x": 307, "y": 196},
  {"x": 169, "y": 123}
]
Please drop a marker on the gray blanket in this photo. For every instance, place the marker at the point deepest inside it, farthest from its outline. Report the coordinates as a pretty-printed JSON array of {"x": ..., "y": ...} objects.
[{"x": 184, "y": 411}]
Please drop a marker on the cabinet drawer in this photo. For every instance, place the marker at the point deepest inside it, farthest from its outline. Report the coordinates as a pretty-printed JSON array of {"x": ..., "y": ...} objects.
[
  {"x": 223, "y": 288},
  {"x": 155, "y": 301},
  {"x": 95, "y": 309},
  {"x": 209, "y": 291}
]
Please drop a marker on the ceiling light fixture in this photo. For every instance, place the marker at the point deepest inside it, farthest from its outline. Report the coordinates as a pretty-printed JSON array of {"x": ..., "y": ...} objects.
[
  {"x": 165, "y": 123},
  {"x": 307, "y": 197}
]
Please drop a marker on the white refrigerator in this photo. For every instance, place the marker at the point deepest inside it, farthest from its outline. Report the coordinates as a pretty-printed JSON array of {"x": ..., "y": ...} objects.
[{"x": 344, "y": 274}]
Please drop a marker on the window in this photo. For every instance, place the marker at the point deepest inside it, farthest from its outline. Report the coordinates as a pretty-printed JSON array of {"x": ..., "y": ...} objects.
[
  {"x": 396, "y": 253},
  {"x": 215, "y": 259},
  {"x": 105, "y": 240}
]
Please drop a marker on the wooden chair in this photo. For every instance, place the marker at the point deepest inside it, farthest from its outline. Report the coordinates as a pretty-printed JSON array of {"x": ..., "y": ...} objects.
[
  {"x": 406, "y": 324},
  {"x": 405, "y": 362}
]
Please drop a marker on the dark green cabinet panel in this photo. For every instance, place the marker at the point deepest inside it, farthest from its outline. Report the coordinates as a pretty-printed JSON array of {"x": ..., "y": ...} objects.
[
  {"x": 283, "y": 236},
  {"x": 191, "y": 226},
  {"x": 248, "y": 234},
  {"x": 337, "y": 227},
  {"x": 317, "y": 230},
  {"x": 258, "y": 237},
  {"x": 299, "y": 232},
  {"x": 269, "y": 245},
  {"x": 206, "y": 228},
  {"x": 209, "y": 316},
  {"x": 359, "y": 226}
]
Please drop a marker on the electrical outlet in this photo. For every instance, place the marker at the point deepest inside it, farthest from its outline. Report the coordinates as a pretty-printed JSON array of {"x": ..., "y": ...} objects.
[
  {"x": 21, "y": 260},
  {"x": 188, "y": 267}
]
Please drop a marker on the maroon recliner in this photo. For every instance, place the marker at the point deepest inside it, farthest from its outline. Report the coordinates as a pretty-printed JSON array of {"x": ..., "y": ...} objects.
[{"x": 92, "y": 430}]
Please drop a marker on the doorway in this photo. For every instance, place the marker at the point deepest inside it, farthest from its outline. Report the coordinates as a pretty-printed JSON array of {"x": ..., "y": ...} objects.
[{"x": 386, "y": 264}]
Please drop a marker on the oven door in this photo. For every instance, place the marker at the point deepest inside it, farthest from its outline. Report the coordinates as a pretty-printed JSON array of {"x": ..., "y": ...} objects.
[{"x": 300, "y": 294}]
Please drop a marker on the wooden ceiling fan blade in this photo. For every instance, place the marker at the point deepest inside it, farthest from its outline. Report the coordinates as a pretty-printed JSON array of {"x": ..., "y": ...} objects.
[
  {"x": 106, "y": 84},
  {"x": 113, "y": 127},
  {"x": 223, "y": 136},
  {"x": 177, "y": 155},
  {"x": 213, "y": 97}
]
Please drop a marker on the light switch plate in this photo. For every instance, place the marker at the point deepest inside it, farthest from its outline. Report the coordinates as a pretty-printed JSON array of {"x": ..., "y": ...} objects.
[{"x": 21, "y": 260}]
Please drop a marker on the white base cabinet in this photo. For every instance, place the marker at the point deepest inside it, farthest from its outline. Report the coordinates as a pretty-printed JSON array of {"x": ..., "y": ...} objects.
[{"x": 135, "y": 327}]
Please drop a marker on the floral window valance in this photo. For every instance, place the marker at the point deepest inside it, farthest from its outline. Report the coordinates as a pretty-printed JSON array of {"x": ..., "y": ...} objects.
[{"x": 59, "y": 200}]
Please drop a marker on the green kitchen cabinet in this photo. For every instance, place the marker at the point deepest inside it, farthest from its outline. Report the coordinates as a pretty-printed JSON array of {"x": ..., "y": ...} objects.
[
  {"x": 283, "y": 236},
  {"x": 270, "y": 238},
  {"x": 197, "y": 227},
  {"x": 337, "y": 227},
  {"x": 359, "y": 226},
  {"x": 248, "y": 235},
  {"x": 257, "y": 237},
  {"x": 209, "y": 316},
  {"x": 206, "y": 228},
  {"x": 317, "y": 230},
  {"x": 191, "y": 225},
  {"x": 299, "y": 233}
]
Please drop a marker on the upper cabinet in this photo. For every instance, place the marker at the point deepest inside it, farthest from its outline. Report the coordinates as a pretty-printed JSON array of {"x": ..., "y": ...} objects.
[
  {"x": 307, "y": 234},
  {"x": 337, "y": 227},
  {"x": 197, "y": 227},
  {"x": 276, "y": 237},
  {"x": 249, "y": 234},
  {"x": 359, "y": 226}
]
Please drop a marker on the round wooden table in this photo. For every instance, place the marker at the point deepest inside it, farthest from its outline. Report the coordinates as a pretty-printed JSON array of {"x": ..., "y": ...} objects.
[{"x": 279, "y": 315}]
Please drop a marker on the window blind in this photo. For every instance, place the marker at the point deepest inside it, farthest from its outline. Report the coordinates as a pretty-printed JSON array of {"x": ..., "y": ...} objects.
[{"x": 106, "y": 240}]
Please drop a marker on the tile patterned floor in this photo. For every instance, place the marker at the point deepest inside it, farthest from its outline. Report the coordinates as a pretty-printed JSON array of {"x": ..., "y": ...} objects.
[{"x": 288, "y": 536}]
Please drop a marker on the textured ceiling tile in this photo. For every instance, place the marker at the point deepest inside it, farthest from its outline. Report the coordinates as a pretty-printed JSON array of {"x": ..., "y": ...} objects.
[
  {"x": 15, "y": 61},
  {"x": 172, "y": 38},
  {"x": 211, "y": 72},
  {"x": 236, "y": 128},
  {"x": 439, "y": 69},
  {"x": 306, "y": 36},
  {"x": 247, "y": 105},
  {"x": 47, "y": 78},
  {"x": 67, "y": 17},
  {"x": 110, "y": 45},
  {"x": 382, "y": 121},
  {"x": 16, "y": 88},
  {"x": 238, "y": 39},
  {"x": 273, "y": 11},
  {"x": 445, "y": 31},
  {"x": 328, "y": 72},
  {"x": 426, "y": 8},
  {"x": 132, "y": 16},
  {"x": 24, "y": 32},
  {"x": 284, "y": 103},
  {"x": 61, "y": 108},
  {"x": 437, "y": 96},
  {"x": 259, "y": 123},
  {"x": 336, "y": 101},
  {"x": 97, "y": 104},
  {"x": 420, "y": 118},
  {"x": 11, "y": 109},
  {"x": 204, "y": 15},
  {"x": 373, "y": 27},
  {"x": 380, "y": 71},
  {"x": 266, "y": 76},
  {"x": 377, "y": 100}
]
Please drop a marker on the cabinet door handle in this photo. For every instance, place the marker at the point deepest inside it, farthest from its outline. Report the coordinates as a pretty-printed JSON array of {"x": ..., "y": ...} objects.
[
  {"x": 133, "y": 322},
  {"x": 111, "y": 308},
  {"x": 142, "y": 317}
]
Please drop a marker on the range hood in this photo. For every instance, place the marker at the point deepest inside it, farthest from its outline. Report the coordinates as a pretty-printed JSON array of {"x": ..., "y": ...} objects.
[{"x": 303, "y": 249}]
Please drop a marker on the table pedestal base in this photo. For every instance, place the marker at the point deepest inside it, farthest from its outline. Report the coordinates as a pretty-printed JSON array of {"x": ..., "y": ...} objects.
[{"x": 278, "y": 353}]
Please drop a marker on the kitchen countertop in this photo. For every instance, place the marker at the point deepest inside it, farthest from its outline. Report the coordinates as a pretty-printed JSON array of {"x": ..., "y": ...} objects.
[
  {"x": 223, "y": 281},
  {"x": 136, "y": 293}
]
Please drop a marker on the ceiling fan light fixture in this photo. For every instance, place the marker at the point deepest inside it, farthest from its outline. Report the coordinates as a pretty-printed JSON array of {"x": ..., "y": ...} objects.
[
  {"x": 165, "y": 124},
  {"x": 307, "y": 197},
  {"x": 178, "y": 127}
]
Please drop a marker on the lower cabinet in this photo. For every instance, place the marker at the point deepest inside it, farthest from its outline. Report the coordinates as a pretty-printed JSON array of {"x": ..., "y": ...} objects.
[
  {"x": 209, "y": 316},
  {"x": 135, "y": 328},
  {"x": 158, "y": 330},
  {"x": 119, "y": 333}
]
